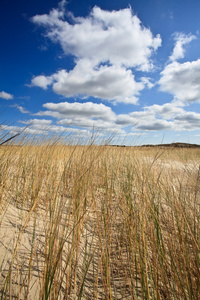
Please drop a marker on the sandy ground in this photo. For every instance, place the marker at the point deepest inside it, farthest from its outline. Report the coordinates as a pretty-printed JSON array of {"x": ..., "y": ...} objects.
[
  {"x": 17, "y": 227},
  {"x": 12, "y": 233}
]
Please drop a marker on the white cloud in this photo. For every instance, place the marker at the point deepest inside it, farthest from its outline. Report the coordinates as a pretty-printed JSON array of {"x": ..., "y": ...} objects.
[
  {"x": 38, "y": 122},
  {"x": 125, "y": 120},
  {"x": 35, "y": 128},
  {"x": 6, "y": 96},
  {"x": 155, "y": 125},
  {"x": 182, "y": 80},
  {"x": 21, "y": 109},
  {"x": 73, "y": 110},
  {"x": 190, "y": 117},
  {"x": 17, "y": 129},
  {"x": 116, "y": 37},
  {"x": 188, "y": 121},
  {"x": 166, "y": 111},
  {"x": 41, "y": 81},
  {"x": 111, "y": 83},
  {"x": 151, "y": 114},
  {"x": 82, "y": 115},
  {"x": 181, "y": 40},
  {"x": 169, "y": 116},
  {"x": 47, "y": 125},
  {"x": 97, "y": 125},
  {"x": 147, "y": 82},
  {"x": 104, "y": 45}
]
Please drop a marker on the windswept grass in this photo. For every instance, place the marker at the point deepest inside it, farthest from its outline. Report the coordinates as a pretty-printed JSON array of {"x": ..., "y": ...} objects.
[{"x": 99, "y": 222}]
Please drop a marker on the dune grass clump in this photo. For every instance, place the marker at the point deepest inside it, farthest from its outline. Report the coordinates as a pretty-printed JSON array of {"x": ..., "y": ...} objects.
[{"x": 99, "y": 222}]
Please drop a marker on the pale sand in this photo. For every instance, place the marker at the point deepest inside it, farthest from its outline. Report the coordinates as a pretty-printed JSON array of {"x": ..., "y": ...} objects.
[{"x": 12, "y": 221}]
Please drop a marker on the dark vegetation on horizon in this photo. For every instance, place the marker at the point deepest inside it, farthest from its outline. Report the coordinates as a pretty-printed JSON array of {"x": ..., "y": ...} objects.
[{"x": 172, "y": 145}]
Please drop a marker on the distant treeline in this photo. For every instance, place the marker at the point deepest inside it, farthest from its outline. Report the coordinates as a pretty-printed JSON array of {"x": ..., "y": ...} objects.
[
  {"x": 172, "y": 145},
  {"x": 175, "y": 145}
]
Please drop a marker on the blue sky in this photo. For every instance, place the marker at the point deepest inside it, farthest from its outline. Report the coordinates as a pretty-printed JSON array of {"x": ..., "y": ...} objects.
[{"x": 125, "y": 68}]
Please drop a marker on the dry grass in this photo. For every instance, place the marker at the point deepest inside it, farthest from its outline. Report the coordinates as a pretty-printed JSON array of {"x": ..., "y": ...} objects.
[{"x": 99, "y": 222}]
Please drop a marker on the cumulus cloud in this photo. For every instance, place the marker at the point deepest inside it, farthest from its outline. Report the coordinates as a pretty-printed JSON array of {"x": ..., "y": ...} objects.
[
  {"x": 83, "y": 115},
  {"x": 39, "y": 122},
  {"x": 167, "y": 111},
  {"x": 17, "y": 129},
  {"x": 11, "y": 129},
  {"x": 41, "y": 81},
  {"x": 182, "y": 80},
  {"x": 97, "y": 125},
  {"x": 104, "y": 45},
  {"x": 190, "y": 117},
  {"x": 38, "y": 127},
  {"x": 169, "y": 116},
  {"x": 44, "y": 126},
  {"x": 151, "y": 113},
  {"x": 155, "y": 125},
  {"x": 111, "y": 83},
  {"x": 21, "y": 109},
  {"x": 6, "y": 96},
  {"x": 117, "y": 37},
  {"x": 181, "y": 40},
  {"x": 147, "y": 82},
  {"x": 73, "y": 110},
  {"x": 188, "y": 121},
  {"x": 125, "y": 120}
]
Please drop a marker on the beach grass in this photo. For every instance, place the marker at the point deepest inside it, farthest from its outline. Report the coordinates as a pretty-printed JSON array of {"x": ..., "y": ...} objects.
[{"x": 99, "y": 222}]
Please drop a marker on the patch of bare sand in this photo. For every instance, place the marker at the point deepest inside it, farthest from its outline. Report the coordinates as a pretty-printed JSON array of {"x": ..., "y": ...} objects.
[{"x": 17, "y": 230}]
